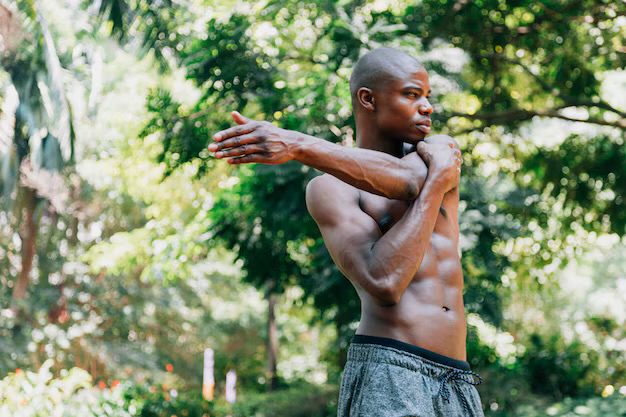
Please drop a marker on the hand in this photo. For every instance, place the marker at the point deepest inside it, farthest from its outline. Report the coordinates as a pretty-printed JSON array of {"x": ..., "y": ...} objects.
[
  {"x": 444, "y": 162},
  {"x": 254, "y": 141}
]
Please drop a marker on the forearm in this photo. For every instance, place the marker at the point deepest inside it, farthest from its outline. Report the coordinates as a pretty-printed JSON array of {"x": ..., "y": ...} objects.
[
  {"x": 397, "y": 255},
  {"x": 368, "y": 170}
]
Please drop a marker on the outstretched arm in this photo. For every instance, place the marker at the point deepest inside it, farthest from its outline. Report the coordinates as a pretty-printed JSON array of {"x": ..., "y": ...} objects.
[{"x": 368, "y": 170}]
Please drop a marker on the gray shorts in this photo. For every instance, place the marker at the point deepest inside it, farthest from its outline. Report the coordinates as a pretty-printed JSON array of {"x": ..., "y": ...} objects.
[{"x": 388, "y": 378}]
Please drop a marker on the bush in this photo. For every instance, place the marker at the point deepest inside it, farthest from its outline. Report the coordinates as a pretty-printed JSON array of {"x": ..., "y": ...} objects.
[
  {"x": 149, "y": 402},
  {"x": 560, "y": 369},
  {"x": 306, "y": 400},
  {"x": 611, "y": 406},
  {"x": 38, "y": 394}
]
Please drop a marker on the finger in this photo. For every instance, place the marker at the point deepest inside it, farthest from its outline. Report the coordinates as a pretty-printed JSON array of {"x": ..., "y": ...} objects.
[
  {"x": 239, "y": 119},
  {"x": 233, "y": 142},
  {"x": 247, "y": 159},
  {"x": 234, "y": 131},
  {"x": 238, "y": 151}
]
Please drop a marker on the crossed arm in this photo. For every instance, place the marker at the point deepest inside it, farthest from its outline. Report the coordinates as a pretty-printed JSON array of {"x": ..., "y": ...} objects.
[{"x": 383, "y": 265}]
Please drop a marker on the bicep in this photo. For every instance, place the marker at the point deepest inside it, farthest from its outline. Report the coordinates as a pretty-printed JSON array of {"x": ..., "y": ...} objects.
[{"x": 348, "y": 232}]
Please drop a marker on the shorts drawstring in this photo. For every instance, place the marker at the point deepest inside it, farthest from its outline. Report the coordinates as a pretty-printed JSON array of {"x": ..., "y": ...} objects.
[{"x": 458, "y": 375}]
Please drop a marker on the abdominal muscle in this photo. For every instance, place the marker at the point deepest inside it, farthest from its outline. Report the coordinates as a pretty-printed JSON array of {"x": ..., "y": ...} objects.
[{"x": 430, "y": 313}]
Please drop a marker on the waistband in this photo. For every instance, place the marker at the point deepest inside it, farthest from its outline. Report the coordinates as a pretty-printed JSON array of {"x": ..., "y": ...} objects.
[{"x": 356, "y": 352}]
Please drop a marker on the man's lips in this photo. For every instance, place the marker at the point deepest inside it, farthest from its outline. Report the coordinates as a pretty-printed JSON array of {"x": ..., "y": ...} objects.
[{"x": 424, "y": 127}]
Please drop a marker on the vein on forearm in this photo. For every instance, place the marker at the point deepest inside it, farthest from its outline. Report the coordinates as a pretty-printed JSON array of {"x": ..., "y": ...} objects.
[{"x": 369, "y": 170}]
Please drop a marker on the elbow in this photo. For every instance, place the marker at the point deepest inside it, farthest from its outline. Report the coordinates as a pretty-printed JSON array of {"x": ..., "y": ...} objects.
[
  {"x": 383, "y": 284},
  {"x": 411, "y": 190},
  {"x": 413, "y": 183},
  {"x": 386, "y": 294}
]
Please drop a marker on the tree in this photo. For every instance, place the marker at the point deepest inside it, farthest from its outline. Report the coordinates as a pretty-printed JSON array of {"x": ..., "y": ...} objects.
[
  {"x": 531, "y": 58},
  {"x": 40, "y": 142}
]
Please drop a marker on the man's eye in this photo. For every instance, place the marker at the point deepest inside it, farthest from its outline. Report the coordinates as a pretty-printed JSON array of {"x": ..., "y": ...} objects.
[{"x": 412, "y": 95}]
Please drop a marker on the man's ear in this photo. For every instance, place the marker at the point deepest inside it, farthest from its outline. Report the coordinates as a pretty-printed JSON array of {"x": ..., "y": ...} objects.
[{"x": 365, "y": 98}]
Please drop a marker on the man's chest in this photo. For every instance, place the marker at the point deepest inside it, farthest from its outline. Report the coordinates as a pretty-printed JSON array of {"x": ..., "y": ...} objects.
[{"x": 387, "y": 212}]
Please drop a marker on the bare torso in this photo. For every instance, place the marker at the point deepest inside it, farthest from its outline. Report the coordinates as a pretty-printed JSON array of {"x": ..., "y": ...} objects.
[{"x": 430, "y": 313}]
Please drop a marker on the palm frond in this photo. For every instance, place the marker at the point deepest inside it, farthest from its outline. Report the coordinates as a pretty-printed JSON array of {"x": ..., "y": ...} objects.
[
  {"x": 35, "y": 118},
  {"x": 118, "y": 13},
  {"x": 59, "y": 116},
  {"x": 8, "y": 155}
]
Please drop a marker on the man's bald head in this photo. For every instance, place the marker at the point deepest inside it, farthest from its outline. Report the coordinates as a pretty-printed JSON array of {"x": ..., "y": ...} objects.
[{"x": 376, "y": 68}]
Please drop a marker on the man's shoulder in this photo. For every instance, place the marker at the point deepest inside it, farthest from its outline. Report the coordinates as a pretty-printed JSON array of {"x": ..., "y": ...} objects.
[
  {"x": 327, "y": 183},
  {"x": 326, "y": 194}
]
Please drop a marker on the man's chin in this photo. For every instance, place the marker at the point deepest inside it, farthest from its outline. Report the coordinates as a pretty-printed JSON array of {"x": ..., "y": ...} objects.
[{"x": 414, "y": 139}]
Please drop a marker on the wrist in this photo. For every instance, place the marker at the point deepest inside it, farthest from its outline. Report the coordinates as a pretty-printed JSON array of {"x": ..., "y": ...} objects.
[
  {"x": 435, "y": 183},
  {"x": 300, "y": 144}
]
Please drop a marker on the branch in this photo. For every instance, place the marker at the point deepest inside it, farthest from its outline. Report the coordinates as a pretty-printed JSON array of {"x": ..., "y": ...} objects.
[
  {"x": 570, "y": 101},
  {"x": 518, "y": 115}
]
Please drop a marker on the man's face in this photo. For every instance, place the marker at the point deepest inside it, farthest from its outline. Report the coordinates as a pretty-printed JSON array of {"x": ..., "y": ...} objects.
[{"x": 402, "y": 107}]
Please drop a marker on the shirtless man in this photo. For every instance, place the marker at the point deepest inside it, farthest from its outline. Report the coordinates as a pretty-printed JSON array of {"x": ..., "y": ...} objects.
[{"x": 388, "y": 213}]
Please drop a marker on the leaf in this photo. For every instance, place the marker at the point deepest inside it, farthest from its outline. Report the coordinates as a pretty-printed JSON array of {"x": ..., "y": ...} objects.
[{"x": 59, "y": 122}]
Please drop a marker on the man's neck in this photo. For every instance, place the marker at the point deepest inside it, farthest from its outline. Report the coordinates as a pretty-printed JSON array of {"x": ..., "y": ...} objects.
[{"x": 369, "y": 137}]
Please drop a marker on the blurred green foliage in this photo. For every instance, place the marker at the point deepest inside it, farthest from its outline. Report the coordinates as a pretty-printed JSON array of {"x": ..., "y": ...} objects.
[
  {"x": 157, "y": 241},
  {"x": 31, "y": 394},
  {"x": 34, "y": 394},
  {"x": 613, "y": 405}
]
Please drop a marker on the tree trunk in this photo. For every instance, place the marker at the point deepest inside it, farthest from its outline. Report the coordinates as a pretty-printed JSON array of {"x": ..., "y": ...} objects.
[
  {"x": 341, "y": 326},
  {"x": 28, "y": 235},
  {"x": 272, "y": 339}
]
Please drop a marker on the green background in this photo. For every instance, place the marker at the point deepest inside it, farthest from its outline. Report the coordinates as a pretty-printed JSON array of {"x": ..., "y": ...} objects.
[{"x": 125, "y": 248}]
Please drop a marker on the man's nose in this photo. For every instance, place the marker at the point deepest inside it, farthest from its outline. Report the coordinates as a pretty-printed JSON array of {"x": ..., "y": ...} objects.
[{"x": 425, "y": 108}]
